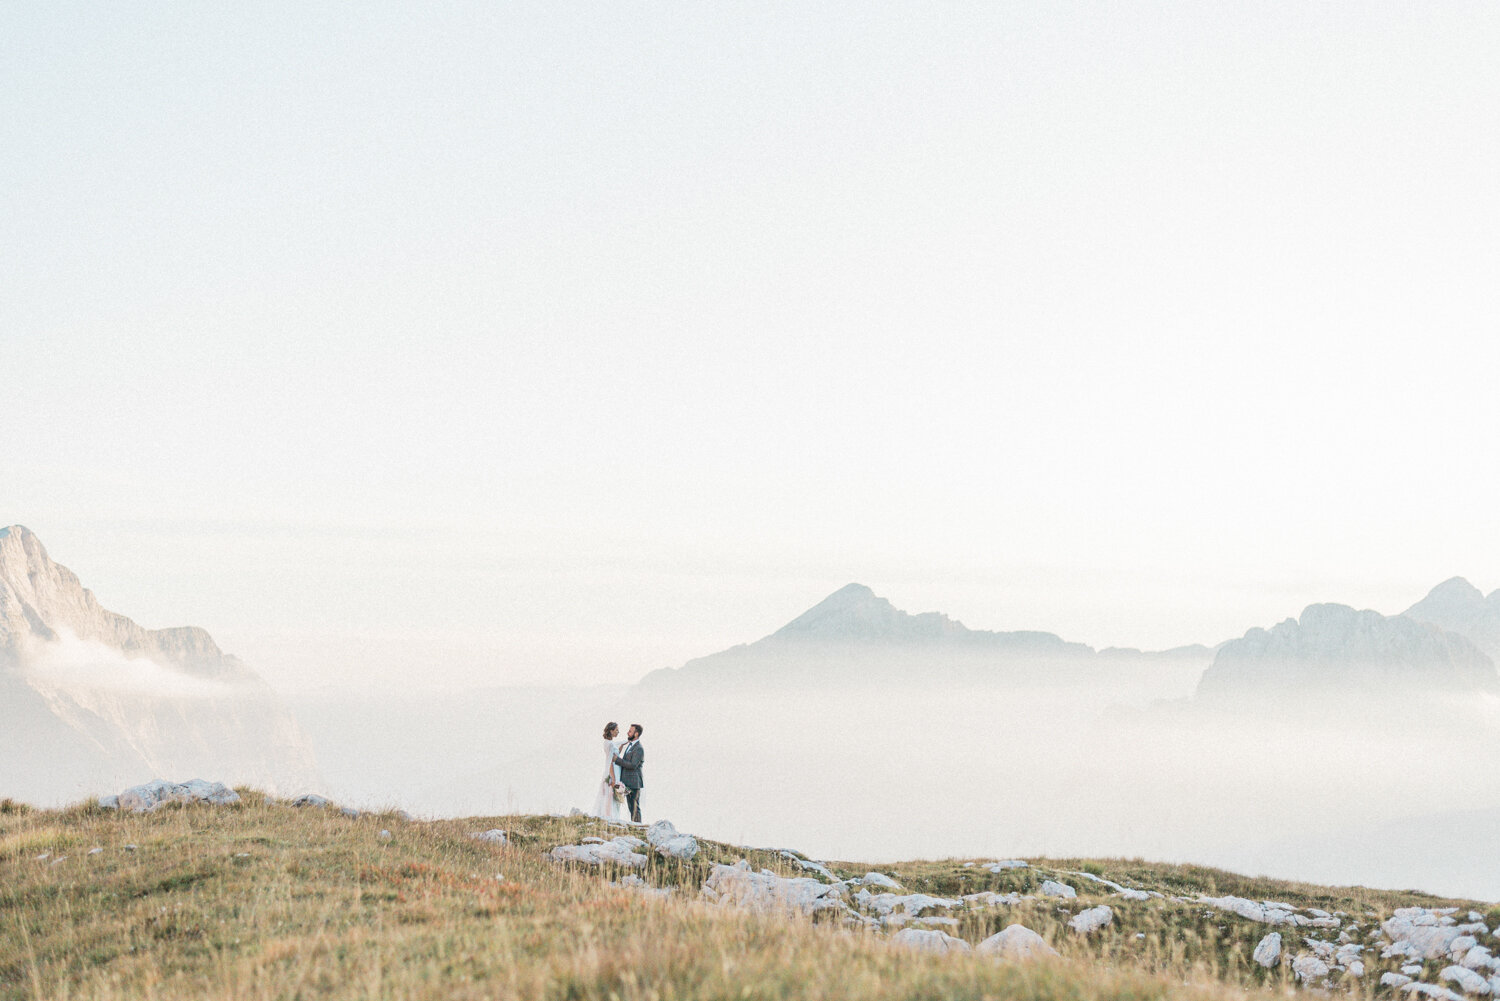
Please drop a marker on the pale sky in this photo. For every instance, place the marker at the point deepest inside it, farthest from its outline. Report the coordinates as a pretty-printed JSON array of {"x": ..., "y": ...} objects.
[{"x": 504, "y": 343}]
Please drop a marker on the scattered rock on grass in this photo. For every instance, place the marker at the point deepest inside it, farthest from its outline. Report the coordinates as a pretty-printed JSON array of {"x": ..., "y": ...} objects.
[
  {"x": 765, "y": 891},
  {"x": 928, "y": 940},
  {"x": 1091, "y": 920},
  {"x": 1308, "y": 968},
  {"x": 1016, "y": 942},
  {"x": 494, "y": 835},
  {"x": 1268, "y": 952},
  {"x": 1467, "y": 980},
  {"x": 1052, "y": 888}
]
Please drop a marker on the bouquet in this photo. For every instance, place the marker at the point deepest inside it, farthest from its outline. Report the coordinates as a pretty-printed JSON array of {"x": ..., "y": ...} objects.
[{"x": 619, "y": 790}]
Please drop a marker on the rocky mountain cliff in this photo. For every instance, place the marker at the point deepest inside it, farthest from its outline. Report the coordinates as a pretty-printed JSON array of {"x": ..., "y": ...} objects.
[
  {"x": 90, "y": 699},
  {"x": 1356, "y": 652}
]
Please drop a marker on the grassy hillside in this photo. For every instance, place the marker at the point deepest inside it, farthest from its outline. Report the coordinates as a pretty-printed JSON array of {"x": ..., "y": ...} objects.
[{"x": 267, "y": 901}]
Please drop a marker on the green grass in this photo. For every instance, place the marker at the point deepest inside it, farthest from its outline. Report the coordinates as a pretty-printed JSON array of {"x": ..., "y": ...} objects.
[{"x": 265, "y": 901}]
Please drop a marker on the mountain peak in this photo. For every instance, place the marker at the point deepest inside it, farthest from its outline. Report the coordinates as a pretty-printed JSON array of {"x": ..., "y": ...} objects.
[
  {"x": 1456, "y": 590},
  {"x": 855, "y": 612},
  {"x": 1460, "y": 607}
]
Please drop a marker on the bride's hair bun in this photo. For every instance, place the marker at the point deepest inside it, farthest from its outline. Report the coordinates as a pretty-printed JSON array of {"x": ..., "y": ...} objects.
[{"x": 610, "y": 729}]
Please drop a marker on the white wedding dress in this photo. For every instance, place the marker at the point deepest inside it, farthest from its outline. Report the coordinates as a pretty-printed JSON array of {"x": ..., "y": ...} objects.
[{"x": 605, "y": 806}]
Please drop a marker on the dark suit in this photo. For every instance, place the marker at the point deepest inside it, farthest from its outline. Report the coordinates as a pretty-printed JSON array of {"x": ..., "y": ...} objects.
[{"x": 630, "y": 759}]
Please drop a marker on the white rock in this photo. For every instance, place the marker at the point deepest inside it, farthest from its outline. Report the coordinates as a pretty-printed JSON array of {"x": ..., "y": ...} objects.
[
  {"x": 1467, "y": 980},
  {"x": 1124, "y": 891},
  {"x": 1412, "y": 969},
  {"x": 95, "y": 850},
  {"x": 310, "y": 799},
  {"x": 928, "y": 940},
  {"x": 1268, "y": 952},
  {"x": 880, "y": 879},
  {"x": 1462, "y": 944},
  {"x": 1394, "y": 980},
  {"x": 349, "y": 812},
  {"x": 809, "y": 865},
  {"x": 599, "y": 854},
  {"x": 1003, "y": 864},
  {"x": 1355, "y": 969},
  {"x": 1309, "y": 968},
  {"x": 1052, "y": 888},
  {"x": 660, "y": 832},
  {"x": 683, "y": 846},
  {"x": 627, "y": 841},
  {"x": 1432, "y": 991},
  {"x": 384, "y": 835},
  {"x": 736, "y": 885},
  {"x": 1249, "y": 909},
  {"x": 1091, "y": 920},
  {"x": 1016, "y": 942},
  {"x": 151, "y": 795},
  {"x": 494, "y": 835},
  {"x": 109, "y": 802},
  {"x": 911, "y": 903},
  {"x": 1477, "y": 958},
  {"x": 1418, "y": 935}
]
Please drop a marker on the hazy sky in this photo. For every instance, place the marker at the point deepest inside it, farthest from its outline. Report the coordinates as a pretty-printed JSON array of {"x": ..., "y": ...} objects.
[{"x": 510, "y": 342}]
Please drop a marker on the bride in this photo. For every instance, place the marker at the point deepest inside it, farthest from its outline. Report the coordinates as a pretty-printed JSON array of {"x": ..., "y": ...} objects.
[{"x": 605, "y": 805}]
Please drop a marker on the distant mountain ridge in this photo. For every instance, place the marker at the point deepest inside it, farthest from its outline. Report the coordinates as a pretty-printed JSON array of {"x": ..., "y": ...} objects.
[
  {"x": 89, "y": 699},
  {"x": 855, "y": 635},
  {"x": 1358, "y": 652},
  {"x": 1449, "y": 640}
]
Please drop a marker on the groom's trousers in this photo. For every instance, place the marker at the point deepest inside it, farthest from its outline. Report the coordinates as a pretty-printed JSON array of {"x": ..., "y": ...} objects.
[{"x": 633, "y": 804}]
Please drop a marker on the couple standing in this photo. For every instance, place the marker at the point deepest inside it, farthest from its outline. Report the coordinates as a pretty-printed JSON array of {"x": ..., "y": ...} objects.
[{"x": 622, "y": 774}]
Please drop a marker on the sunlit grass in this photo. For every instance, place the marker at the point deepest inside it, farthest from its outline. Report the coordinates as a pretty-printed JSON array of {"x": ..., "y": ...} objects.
[{"x": 265, "y": 901}]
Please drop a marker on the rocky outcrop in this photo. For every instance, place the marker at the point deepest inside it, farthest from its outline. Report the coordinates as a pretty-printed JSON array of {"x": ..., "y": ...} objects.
[
  {"x": 738, "y": 886},
  {"x": 90, "y": 700},
  {"x": 157, "y": 793}
]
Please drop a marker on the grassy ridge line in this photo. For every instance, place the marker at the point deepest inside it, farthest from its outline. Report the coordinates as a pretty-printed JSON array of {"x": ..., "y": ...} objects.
[{"x": 265, "y": 901}]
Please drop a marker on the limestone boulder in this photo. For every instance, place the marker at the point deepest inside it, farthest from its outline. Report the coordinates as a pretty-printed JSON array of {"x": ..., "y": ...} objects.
[
  {"x": 683, "y": 846},
  {"x": 1016, "y": 942},
  {"x": 1465, "y": 980},
  {"x": 1268, "y": 952},
  {"x": 1308, "y": 968},
  {"x": 1089, "y": 921},
  {"x": 928, "y": 940}
]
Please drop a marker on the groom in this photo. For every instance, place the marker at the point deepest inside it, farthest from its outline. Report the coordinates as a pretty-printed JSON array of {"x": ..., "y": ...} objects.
[{"x": 630, "y": 758}]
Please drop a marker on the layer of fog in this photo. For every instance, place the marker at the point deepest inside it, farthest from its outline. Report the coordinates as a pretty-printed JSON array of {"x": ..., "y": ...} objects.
[
  {"x": 83, "y": 667},
  {"x": 79, "y": 719},
  {"x": 1332, "y": 789}
]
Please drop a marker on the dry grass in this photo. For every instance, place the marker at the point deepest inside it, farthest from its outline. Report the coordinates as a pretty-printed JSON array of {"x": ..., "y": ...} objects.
[{"x": 264, "y": 901}]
